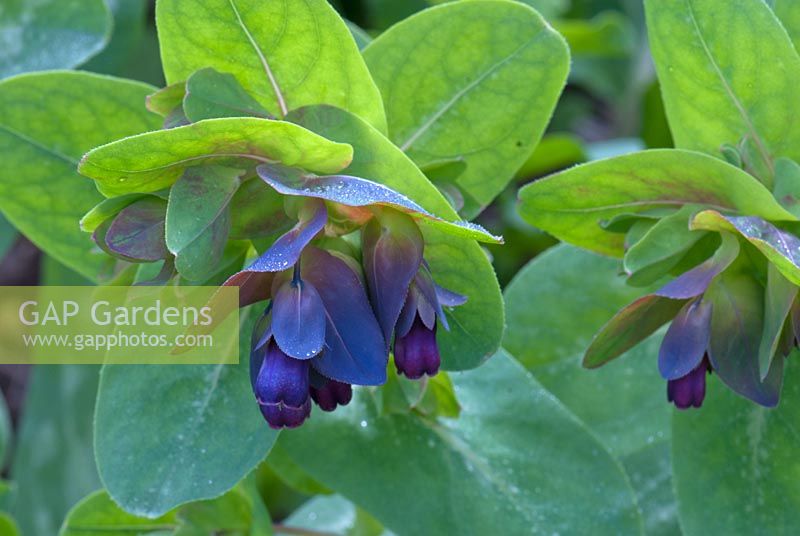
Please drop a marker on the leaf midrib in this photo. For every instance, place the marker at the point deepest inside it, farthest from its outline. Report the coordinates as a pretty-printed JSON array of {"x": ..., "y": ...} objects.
[
  {"x": 406, "y": 145},
  {"x": 762, "y": 149}
]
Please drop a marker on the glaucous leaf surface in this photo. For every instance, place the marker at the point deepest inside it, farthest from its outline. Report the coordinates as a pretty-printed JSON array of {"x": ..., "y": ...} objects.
[
  {"x": 555, "y": 305},
  {"x": 47, "y": 122},
  {"x": 357, "y": 192},
  {"x": 285, "y": 54},
  {"x": 746, "y": 454},
  {"x": 710, "y": 61},
  {"x": 332, "y": 515},
  {"x": 54, "y": 438},
  {"x": 570, "y": 205},
  {"x": 515, "y": 458},
  {"x": 51, "y": 34},
  {"x": 152, "y": 161},
  {"x": 457, "y": 264},
  {"x": 198, "y": 446},
  {"x": 473, "y": 80},
  {"x": 199, "y": 219}
]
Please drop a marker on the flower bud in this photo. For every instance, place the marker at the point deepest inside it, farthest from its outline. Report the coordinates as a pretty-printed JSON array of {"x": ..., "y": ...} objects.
[
  {"x": 282, "y": 388},
  {"x": 689, "y": 390},
  {"x": 332, "y": 394},
  {"x": 416, "y": 352}
]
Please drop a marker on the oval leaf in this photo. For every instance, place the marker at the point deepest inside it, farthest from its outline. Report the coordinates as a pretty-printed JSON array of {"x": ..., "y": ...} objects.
[
  {"x": 47, "y": 121},
  {"x": 137, "y": 233},
  {"x": 198, "y": 219},
  {"x": 706, "y": 54},
  {"x": 152, "y": 161},
  {"x": 51, "y": 34},
  {"x": 285, "y": 54},
  {"x": 741, "y": 459},
  {"x": 570, "y": 204},
  {"x": 198, "y": 446},
  {"x": 514, "y": 458},
  {"x": 471, "y": 80}
]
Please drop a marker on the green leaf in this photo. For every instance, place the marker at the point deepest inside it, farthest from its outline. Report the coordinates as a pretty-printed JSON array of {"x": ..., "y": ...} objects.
[
  {"x": 198, "y": 432},
  {"x": 456, "y": 263},
  {"x": 8, "y": 526},
  {"x": 5, "y": 431},
  {"x": 706, "y": 54},
  {"x": 474, "y": 80},
  {"x": 555, "y": 151},
  {"x": 779, "y": 247},
  {"x": 199, "y": 219},
  {"x": 285, "y": 54},
  {"x": 623, "y": 403},
  {"x": 51, "y": 34},
  {"x": 154, "y": 160},
  {"x": 570, "y": 204},
  {"x": 664, "y": 244},
  {"x": 47, "y": 121},
  {"x": 333, "y": 515},
  {"x": 788, "y": 12},
  {"x": 98, "y": 513},
  {"x": 211, "y": 94},
  {"x": 515, "y": 459},
  {"x": 107, "y": 209},
  {"x": 292, "y": 474},
  {"x": 54, "y": 438},
  {"x": 736, "y": 463},
  {"x": 129, "y": 20},
  {"x": 361, "y": 37},
  {"x": 786, "y": 187},
  {"x": 53, "y": 464},
  {"x": 257, "y": 211},
  {"x": 779, "y": 297},
  {"x": 8, "y": 235}
]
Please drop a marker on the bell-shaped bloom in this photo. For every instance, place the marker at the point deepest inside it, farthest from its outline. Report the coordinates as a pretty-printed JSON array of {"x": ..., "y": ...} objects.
[
  {"x": 332, "y": 394},
  {"x": 689, "y": 390},
  {"x": 416, "y": 352},
  {"x": 281, "y": 386}
]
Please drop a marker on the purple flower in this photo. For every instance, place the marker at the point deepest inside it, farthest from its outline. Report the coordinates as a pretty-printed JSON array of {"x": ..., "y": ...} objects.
[
  {"x": 682, "y": 358},
  {"x": 281, "y": 387},
  {"x": 332, "y": 394},
  {"x": 416, "y": 352},
  {"x": 689, "y": 390}
]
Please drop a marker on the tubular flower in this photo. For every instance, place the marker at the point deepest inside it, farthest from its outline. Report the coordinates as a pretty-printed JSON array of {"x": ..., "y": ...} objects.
[
  {"x": 331, "y": 394},
  {"x": 331, "y": 319},
  {"x": 689, "y": 390},
  {"x": 416, "y": 352}
]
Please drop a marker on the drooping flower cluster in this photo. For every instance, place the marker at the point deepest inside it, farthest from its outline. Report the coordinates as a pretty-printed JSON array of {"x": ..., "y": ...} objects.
[
  {"x": 329, "y": 323},
  {"x": 734, "y": 314}
]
